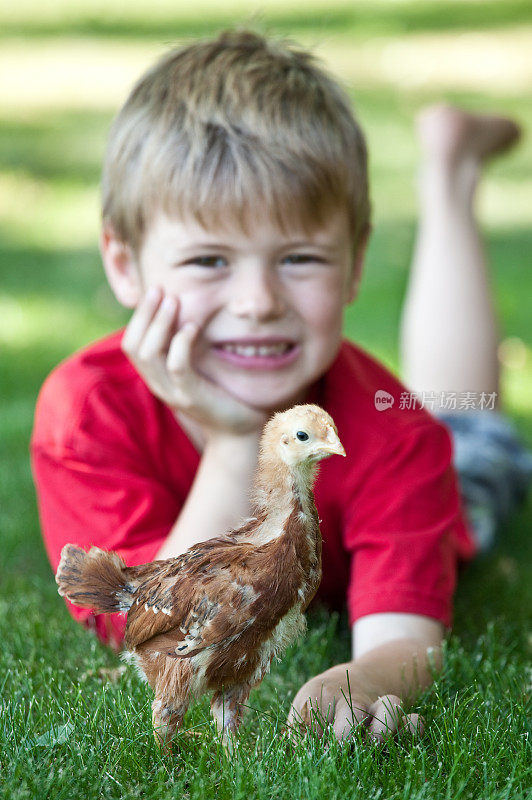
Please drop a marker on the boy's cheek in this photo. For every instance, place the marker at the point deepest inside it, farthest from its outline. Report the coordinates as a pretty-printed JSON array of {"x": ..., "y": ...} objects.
[
  {"x": 325, "y": 311},
  {"x": 194, "y": 307}
]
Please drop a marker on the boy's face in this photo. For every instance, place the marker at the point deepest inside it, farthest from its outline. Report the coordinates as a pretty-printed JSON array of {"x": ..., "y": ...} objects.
[{"x": 269, "y": 305}]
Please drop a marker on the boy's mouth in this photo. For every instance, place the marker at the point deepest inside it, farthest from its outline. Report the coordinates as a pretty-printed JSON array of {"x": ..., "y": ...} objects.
[{"x": 258, "y": 353}]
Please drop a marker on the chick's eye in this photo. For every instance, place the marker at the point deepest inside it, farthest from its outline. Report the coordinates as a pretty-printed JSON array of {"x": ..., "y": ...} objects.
[{"x": 302, "y": 436}]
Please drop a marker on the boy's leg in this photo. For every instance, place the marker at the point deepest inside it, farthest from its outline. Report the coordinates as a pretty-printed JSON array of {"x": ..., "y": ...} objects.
[
  {"x": 449, "y": 334},
  {"x": 449, "y": 331}
]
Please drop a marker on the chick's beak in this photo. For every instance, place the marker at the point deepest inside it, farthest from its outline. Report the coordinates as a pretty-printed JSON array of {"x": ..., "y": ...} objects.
[{"x": 332, "y": 446}]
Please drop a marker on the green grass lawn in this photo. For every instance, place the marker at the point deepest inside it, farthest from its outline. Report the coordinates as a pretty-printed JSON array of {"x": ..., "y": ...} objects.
[{"x": 65, "y": 68}]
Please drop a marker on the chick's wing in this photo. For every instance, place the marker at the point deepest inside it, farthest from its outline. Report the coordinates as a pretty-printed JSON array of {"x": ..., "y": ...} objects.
[{"x": 194, "y": 601}]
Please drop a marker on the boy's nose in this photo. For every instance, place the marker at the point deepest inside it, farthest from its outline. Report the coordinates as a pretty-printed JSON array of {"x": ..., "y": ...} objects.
[{"x": 256, "y": 294}]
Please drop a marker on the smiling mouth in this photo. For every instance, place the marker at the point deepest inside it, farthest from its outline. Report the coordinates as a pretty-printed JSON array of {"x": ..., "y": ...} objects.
[
  {"x": 258, "y": 355},
  {"x": 257, "y": 351}
]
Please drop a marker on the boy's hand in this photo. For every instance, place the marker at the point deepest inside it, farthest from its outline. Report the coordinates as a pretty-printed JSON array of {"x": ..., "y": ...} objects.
[
  {"x": 339, "y": 698},
  {"x": 162, "y": 354}
]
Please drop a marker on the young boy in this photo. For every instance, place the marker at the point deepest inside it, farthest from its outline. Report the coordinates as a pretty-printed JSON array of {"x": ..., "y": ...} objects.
[{"x": 235, "y": 219}]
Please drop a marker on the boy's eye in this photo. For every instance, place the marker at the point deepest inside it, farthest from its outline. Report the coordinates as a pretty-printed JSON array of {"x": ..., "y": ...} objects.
[
  {"x": 207, "y": 261},
  {"x": 301, "y": 258}
]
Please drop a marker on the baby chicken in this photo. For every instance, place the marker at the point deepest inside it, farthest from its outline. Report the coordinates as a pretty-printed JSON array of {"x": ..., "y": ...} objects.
[{"x": 215, "y": 617}]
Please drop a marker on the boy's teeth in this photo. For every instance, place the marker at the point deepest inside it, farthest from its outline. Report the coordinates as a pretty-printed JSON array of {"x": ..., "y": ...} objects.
[{"x": 263, "y": 350}]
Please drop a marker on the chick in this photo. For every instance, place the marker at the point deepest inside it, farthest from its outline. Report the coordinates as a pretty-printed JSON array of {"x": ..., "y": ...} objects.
[{"x": 215, "y": 617}]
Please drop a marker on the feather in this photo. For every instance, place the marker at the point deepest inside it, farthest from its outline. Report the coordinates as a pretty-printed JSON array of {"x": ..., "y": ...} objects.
[{"x": 95, "y": 579}]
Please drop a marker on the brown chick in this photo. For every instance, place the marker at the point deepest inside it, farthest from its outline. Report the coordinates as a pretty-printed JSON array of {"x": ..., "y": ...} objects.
[{"x": 215, "y": 617}]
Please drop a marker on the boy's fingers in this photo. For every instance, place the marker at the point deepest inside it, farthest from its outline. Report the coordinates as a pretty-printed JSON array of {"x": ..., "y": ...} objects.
[
  {"x": 312, "y": 715},
  {"x": 299, "y": 714},
  {"x": 160, "y": 331},
  {"x": 347, "y": 719},
  {"x": 140, "y": 321},
  {"x": 179, "y": 357},
  {"x": 386, "y": 717},
  {"x": 321, "y": 716},
  {"x": 415, "y": 724}
]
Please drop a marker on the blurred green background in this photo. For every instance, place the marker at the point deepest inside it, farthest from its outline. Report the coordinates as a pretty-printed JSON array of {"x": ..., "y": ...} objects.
[{"x": 67, "y": 65}]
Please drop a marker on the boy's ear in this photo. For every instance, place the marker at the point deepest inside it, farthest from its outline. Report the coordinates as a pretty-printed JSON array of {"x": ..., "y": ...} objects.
[
  {"x": 121, "y": 268},
  {"x": 357, "y": 265}
]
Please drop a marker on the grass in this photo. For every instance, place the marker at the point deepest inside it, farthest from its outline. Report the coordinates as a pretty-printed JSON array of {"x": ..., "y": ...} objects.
[{"x": 63, "y": 732}]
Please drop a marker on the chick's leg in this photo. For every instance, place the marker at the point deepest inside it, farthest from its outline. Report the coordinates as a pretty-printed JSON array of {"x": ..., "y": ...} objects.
[
  {"x": 227, "y": 709},
  {"x": 167, "y": 717}
]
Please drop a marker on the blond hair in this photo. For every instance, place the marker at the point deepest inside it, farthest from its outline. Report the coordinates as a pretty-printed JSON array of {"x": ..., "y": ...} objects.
[{"x": 231, "y": 125}]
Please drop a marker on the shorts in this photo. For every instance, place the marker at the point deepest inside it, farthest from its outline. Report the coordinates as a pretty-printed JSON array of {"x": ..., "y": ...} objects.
[{"x": 494, "y": 468}]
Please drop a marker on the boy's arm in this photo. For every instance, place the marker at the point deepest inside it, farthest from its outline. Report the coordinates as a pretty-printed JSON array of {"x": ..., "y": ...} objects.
[
  {"x": 224, "y": 477},
  {"x": 394, "y": 657},
  {"x": 220, "y": 494}
]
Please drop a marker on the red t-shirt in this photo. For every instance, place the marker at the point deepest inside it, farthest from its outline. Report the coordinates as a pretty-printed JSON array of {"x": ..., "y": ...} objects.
[{"x": 113, "y": 468}]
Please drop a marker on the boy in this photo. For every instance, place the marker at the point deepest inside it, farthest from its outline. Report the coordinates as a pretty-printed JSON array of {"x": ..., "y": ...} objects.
[{"x": 235, "y": 218}]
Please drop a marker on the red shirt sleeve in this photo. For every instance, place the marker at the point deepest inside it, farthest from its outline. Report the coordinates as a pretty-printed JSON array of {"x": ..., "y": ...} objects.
[
  {"x": 403, "y": 529},
  {"x": 96, "y": 485}
]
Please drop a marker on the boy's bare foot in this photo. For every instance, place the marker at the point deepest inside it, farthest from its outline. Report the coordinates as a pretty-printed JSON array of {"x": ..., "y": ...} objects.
[{"x": 451, "y": 135}]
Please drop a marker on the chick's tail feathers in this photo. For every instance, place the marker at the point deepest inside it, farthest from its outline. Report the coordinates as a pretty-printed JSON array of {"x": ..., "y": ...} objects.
[{"x": 97, "y": 579}]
